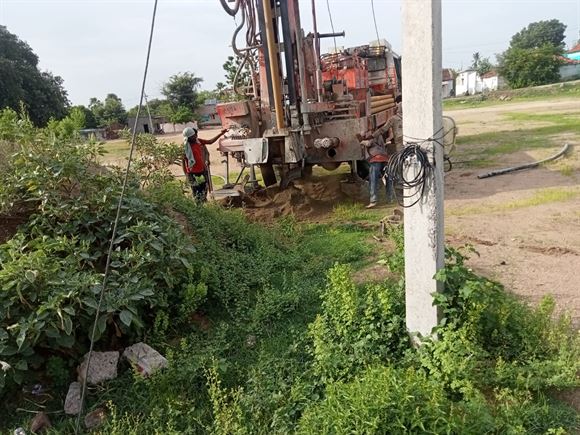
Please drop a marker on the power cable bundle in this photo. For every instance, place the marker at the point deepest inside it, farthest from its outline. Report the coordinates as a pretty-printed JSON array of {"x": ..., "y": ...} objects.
[{"x": 413, "y": 153}]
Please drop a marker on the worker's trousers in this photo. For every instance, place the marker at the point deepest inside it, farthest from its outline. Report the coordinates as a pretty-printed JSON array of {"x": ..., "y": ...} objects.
[
  {"x": 198, "y": 183},
  {"x": 375, "y": 176}
]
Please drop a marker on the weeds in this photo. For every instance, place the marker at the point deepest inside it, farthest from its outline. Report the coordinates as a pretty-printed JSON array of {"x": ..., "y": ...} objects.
[{"x": 290, "y": 344}]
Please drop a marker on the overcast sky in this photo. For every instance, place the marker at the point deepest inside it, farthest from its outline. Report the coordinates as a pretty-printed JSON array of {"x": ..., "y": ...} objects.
[{"x": 98, "y": 46}]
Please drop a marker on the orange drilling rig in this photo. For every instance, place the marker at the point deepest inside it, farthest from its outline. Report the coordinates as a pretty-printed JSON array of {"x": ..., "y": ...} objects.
[{"x": 302, "y": 108}]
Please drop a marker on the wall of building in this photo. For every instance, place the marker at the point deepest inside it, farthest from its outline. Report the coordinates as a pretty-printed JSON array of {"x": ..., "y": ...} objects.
[
  {"x": 468, "y": 83},
  {"x": 447, "y": 89},
  {"x": 169, "y": 128},
  {"x": 568, "y": 72}
]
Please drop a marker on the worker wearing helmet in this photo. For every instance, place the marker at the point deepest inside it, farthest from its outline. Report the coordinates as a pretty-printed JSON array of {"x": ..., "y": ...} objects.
[{"x": 195, "y": 162}]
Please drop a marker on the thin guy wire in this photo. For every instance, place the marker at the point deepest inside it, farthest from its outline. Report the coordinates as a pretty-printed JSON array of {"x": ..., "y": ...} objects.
[
  {"x": 116, "y": 223},
  {"x": 331, "y": 25},
  {"x": 375, "y": 21}
]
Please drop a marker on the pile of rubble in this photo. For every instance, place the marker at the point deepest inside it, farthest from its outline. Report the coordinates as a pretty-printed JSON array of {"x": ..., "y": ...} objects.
[{"x": 103, "y": 367}]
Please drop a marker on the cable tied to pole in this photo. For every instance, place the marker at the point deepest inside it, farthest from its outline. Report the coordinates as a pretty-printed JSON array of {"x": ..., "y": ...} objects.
[
  {"x": 413, "y": 153},
  {"x": 116, "y": 222}
]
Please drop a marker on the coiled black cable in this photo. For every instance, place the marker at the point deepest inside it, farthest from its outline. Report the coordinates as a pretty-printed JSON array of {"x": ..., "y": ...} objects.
[
  {"x": 413, "y": 153},
  {"x": 396, "y": 171}
]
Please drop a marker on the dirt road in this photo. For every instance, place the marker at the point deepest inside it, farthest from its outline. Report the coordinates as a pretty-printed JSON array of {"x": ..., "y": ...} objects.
[{"x": 525, "y": 226}]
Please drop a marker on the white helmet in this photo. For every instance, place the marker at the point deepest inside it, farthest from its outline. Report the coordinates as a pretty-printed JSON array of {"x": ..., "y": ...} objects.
[{"x": 188, "y": 132}]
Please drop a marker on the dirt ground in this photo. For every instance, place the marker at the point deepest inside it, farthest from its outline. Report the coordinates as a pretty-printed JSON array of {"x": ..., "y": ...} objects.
[{"x": 525, "y": 225}]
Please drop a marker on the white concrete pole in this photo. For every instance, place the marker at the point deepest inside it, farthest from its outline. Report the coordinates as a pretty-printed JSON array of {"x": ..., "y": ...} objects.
[{"x": 422, "y": 118}]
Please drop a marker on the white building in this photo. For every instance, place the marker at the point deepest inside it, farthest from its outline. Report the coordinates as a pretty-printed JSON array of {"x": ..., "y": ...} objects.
[
  {"x": 492, "y": 81},
  {"x": 468, "y": 82}
]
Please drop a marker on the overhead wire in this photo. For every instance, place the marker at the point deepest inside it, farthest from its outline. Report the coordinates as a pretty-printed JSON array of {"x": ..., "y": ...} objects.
[
  {"x": 116, "y": 222},
  {"x": 375, "y": 20}
]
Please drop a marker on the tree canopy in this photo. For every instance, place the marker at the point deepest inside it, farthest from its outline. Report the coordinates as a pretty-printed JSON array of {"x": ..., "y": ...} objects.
[
  {"x": 181, "y": 90},
  {"x": 41, "y": 92},
  {"x": 539, "y": 34},
  {"x": 481, "y": 65},
  {"x": 108, "y": 112},
  {"x": 533, "y": 56}
]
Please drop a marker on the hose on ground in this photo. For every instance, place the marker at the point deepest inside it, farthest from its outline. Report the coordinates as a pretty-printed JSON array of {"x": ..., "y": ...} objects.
[{"x": 526, "y": 165}]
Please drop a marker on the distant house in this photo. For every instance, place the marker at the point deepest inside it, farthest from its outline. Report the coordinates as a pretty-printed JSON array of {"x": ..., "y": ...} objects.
[
  {"x": 468, "y": 82},
  {"x": 144, "y": 124},
  {"x": 574, "y": 52},
  {"x": 570, "y": 68},
  {"x": 447, "y": 84},
  {"x": 208, "y": 115},
  {"x": 99, "y": 134},
  {"x": 492, "y": 81}
]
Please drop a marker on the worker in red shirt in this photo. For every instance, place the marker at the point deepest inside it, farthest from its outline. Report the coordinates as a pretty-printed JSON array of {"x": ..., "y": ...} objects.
[{"x": 195, "y": 162}]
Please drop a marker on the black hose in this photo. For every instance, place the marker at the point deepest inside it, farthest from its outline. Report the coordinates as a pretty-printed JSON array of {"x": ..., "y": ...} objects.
[
  {"x": 235, "y": 35},
  {"x": 229, "y": 10},
  {"x": 525, "y": 166}
]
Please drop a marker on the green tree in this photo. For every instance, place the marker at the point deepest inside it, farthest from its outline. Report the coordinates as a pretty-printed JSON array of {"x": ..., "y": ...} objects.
[
  {"x": 90, "y": 120},
  {"x": 484, "y": 67},
  {"x": 182, "y": 115},
  {"x": 181, "y": 90},
  {"x": 231, "y": 67},
  {"x": 113, "y": 110},
  {"x": 539, "y": 34},
  {"x": 41, "y": 92},
  {"x": 533, "y": 56},
  {"x": 530, "y": 67}
]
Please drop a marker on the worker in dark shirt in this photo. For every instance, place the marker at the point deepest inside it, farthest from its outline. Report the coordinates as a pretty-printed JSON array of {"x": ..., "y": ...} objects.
[{"x": 195, "y": 162}]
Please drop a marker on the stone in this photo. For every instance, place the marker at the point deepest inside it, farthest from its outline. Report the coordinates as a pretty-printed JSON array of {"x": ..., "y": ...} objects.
[
  {"x": 95, "y": 418},
  {"x": 19, "y": 431},
  {"x": 72, "y": 403},
  {"x": 103, "y": 367},
  {"x": 40, "y": 423},
  {"x": 144, "y": 358},
  {"x": 251, "y": 341}
]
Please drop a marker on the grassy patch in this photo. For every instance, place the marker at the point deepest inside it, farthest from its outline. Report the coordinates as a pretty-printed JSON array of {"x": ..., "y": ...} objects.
[
  {"x": 558, "y": 90},
  {"x": 485, "y": 148},
  {"x": 540, "y": 197}
]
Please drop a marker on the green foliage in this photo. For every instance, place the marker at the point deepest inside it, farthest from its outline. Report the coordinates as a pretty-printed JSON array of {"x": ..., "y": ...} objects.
[
  {"x": 69, "y": 126},
  {"x": 153, "y": 158},
  {"x": 382, "y": 400},
  {"x": 181, "y": 90},
  {"x": 357, "y": 327},
  {"x": 90, "y": 120},
  {"x": 244, "y": 77},
  {"x": 51, "y": 270},
  {"x": 532, "y": 58},
  {"x": 524, "y": 67},
  {"x": 261, "y": 337},
  {"x": 42, "y": 93},
  {"x": 181, "y": 115},
  {"x": 539, "y": 34}
]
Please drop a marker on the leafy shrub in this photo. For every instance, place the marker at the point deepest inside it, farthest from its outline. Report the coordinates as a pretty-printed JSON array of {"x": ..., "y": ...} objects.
[
  {"x": 382, "y": 400},
  {"x": 51, "y": 271},
  {"x": 357, "y": 326}
]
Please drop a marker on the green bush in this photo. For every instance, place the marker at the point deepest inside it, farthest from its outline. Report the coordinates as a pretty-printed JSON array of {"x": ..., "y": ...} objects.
[
  {"x": 357, "y": 326},
  {"x": 51, "y": 271},
  {"x": 382, "y": 400}
]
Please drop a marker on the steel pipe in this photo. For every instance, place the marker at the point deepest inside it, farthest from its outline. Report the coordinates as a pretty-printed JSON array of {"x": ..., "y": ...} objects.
[{"x": 274, "y": 67}]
